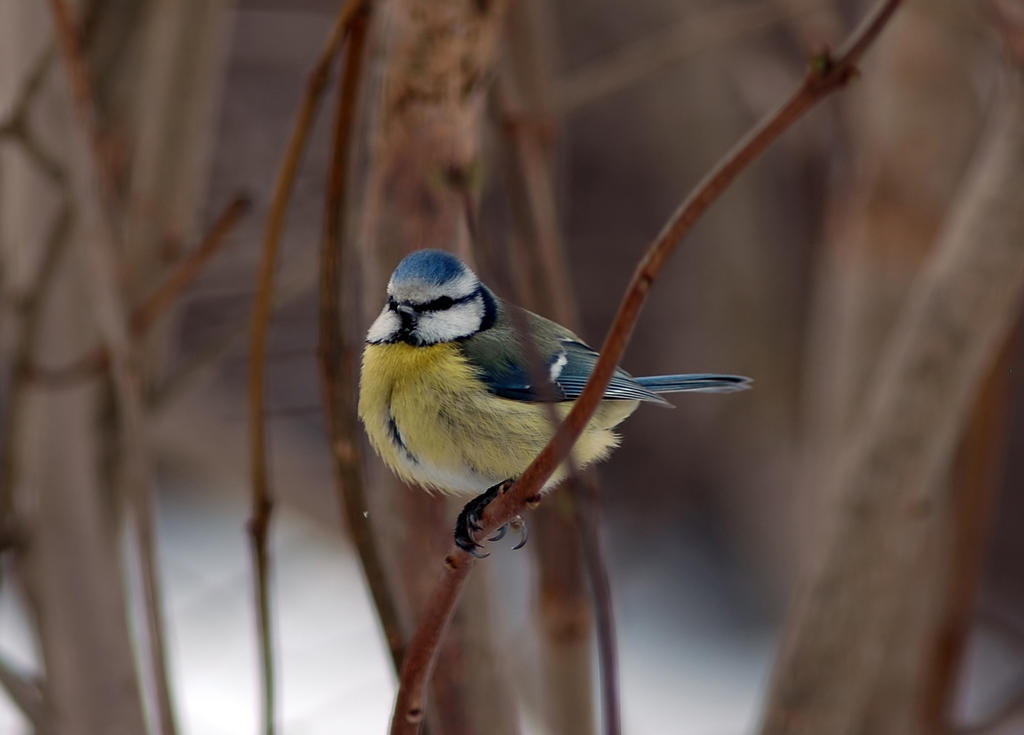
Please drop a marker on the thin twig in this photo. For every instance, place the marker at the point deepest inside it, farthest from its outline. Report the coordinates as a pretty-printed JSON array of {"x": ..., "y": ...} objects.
[
  {"x": 337, "y": 356},
  {"x": 706, "y": 29},
  {"x": 145, "y": 528},
  {"x": 565, "y": 607},
  {"x": 262, "y": 501},
  {"x": 16, "y": 125},
  {"x": 93, "y": 185},
  {"x": 296, "y": 280},
  {"x": 826, "y": 74},
  {"x": 977, "y": 477},
  {"x": 69, "y": 40},
  {"x": 31, "y": 314},
  {"x": 563, "y": 576},
  {"x": 97, "y": 359},
  {"x": 186, "y": 273},
  {"x": 601, "y": 588},
  {"x": 31, "y": 85},
  {"x": 26, "y": 694}
]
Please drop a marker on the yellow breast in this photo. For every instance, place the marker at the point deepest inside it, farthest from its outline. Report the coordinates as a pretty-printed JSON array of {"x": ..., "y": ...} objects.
[{"x": 435, "y": 424}]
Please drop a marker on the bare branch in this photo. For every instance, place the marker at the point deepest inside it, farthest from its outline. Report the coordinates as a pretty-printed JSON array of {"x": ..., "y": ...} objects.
[
  {"x": 101, "y": 172},
  {"x": 826, "y": 74},
  {"x": 295, "y": 281},
  {"x": 541, "y": 283},
  {"x": 92, "y": 183},
  {"x": 601, "y": 589},
  {"x": 701, "y": 30},
  {"x": 31, "y": 313},
  {"x": 338, "y": 356},
  {"x": 16, "y": 125},
  {"x": 26, "y": 694},
  {"x": 33, "y": 81},
  {"x": 421, "y": 140},
  {"x": 149, "y": 311},
  {"x": 977, "y": 477},
  {"x": 262, "y": 502},
  {"x": 887, "y": 484}
]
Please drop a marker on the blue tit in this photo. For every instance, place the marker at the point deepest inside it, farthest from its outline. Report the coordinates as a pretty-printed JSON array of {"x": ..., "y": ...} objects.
[{"x": 446, "y": 395}]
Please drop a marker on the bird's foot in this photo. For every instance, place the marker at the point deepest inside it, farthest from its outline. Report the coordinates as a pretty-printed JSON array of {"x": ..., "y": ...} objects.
[
  {"x": 468, "y": 522},
  {"x": 518, "y": 524}
]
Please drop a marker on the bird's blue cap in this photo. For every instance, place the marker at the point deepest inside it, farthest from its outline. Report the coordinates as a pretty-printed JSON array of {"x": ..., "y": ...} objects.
[{"x": 435, "y": 267}]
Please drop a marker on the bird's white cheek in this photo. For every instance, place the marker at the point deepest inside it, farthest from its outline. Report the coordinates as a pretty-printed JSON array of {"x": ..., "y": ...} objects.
[
  {"x": 385, "y": 327},
  {"x": 460, "y": 320}
]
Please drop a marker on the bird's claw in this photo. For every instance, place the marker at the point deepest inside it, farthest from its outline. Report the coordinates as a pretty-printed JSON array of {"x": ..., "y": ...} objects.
[
  {"x": 465, "y": 527},
  {"x": 518, "y": 524},
  {"x": 468, "y": 523}
]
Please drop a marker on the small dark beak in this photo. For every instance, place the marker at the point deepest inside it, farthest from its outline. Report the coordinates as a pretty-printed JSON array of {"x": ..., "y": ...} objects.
[{"x": 408, "y": 316}]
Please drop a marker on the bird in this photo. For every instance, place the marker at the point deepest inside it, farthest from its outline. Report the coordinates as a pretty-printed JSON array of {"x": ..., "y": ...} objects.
[{"x": 453, "y": 401}]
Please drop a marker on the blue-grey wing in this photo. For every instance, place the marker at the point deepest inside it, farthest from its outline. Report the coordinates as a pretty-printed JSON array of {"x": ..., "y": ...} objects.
[
  {"x": 566, "y": 366},
  {"x": 571, "y": 368},
  {"x": 565, "y": 361}
]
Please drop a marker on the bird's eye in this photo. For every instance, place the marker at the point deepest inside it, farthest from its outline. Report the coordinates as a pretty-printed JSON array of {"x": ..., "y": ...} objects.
[{"x": 439, "y": 304}]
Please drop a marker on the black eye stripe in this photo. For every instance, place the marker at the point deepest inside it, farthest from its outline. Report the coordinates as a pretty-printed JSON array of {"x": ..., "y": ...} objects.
[{"x": 439, "y": 304}]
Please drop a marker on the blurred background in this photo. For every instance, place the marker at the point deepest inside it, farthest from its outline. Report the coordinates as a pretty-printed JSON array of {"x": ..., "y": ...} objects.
[{"x": 570, "y": 130}]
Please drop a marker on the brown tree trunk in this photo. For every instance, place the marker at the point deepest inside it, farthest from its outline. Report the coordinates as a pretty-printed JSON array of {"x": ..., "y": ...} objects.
[
  {"x": 883, "y": 227},
  {"x": 858, "y": 640},
  {"x": 68, "y": 562},
  {"x": 68, "y": 466},
  {"x": 539, "y": 281},
  {"x": 429, "y": 69}
]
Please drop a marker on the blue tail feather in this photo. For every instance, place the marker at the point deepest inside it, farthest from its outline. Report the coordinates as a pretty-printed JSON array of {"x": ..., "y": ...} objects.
[{"x": 695, "y": 382}]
